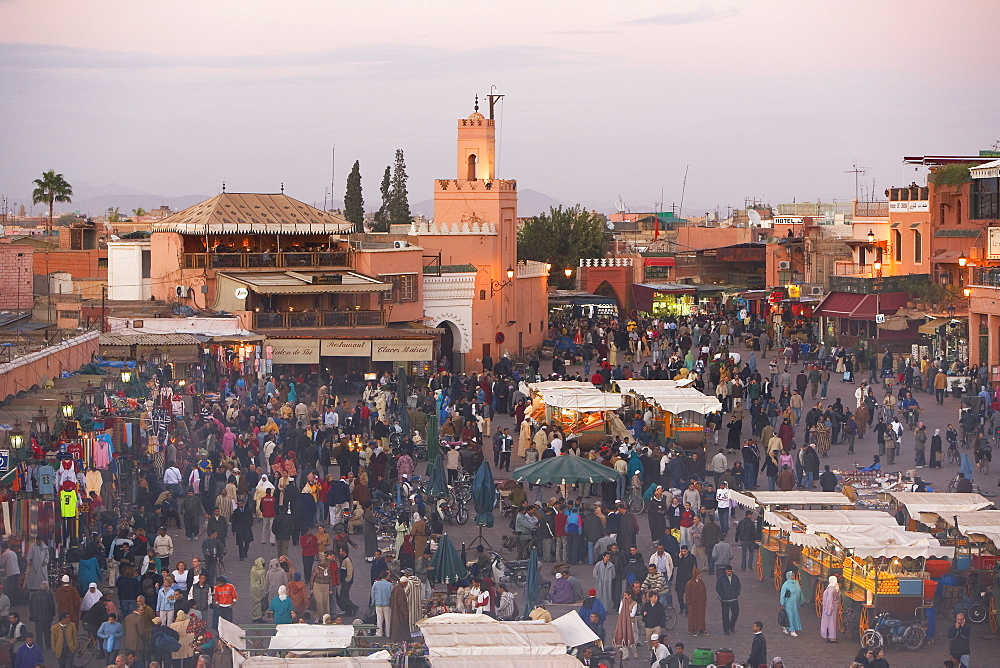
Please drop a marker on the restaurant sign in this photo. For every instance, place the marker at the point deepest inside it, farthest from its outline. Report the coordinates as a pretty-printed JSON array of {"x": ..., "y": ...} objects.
[
  {"x": 402, "y": 350},
  {"x": 345, "y": 347}
]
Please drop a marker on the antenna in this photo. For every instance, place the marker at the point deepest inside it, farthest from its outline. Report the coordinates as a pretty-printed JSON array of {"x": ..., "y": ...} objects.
[
  {"x": 620, "y": 205},
  {"x": 333, "y": 172},
  {"x": 680, "y": 208},
  {"x": 857, "y": 171}
]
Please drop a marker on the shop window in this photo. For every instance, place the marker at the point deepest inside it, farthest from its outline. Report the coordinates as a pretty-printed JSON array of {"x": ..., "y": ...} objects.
[
  {"x": 984, "y": 199},
  {"x": 897, "y": 242},
  {"x": 918, "y": 247},
  {"x": 404, "y": 288}
]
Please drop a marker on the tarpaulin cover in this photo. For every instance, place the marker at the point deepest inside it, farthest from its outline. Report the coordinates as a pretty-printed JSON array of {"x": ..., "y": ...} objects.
[
  {"x": 575, "y": 631},
  {"x": 311, "y": 636},
  {"x": 879, "y": 541},
  {"x": 510, "y": 661},
  {"x": 790, "y": 498},
  {"x": 940, "y": 502},
  {"x": 316, "y": 662},
  {"x": 978, "y": 525},
  {"x": 456, "y": 634},
  {"x": 564, "y": 470},
  {"x": 672, "y": 399},
  {"x": 812, "y": 521}
]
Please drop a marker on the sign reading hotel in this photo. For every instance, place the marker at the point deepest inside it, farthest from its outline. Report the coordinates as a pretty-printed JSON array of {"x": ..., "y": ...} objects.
[
  {"x": 917, "y": 206},
  {"x": 402, "y": 351},
  {"x": 993, "y": 243}
]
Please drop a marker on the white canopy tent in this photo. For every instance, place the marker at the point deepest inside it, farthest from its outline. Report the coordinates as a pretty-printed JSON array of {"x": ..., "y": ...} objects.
[
  {"x": 573, "y": 395},
  {"x": 877, "y": 541},
  {"x": 939, "y": 502},
  {"x": 983, "y": 524},
  {"x": 672, "y": 396},
  {"x": 816, "y": 521},
  {"x": 462, "y": 635},
  {"x": 790, "y": 498}
]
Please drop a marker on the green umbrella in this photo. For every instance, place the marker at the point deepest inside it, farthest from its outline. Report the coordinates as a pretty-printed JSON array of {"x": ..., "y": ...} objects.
[
  {"x": 446, "y": 564},
  {"x": 437, "y": 481},
  {"x": 532, "y": 584},
  {"x": 564, "y": 470},
  {"x": 484, "y": 494},
  {"x": 433, "y": 442},
  {"x": 402, "y": 397}
]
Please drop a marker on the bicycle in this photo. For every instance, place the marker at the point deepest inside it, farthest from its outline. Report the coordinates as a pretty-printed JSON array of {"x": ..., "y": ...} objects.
[
  {"x": 89, "y": 648},
  {"x": 953, "y": 456}
]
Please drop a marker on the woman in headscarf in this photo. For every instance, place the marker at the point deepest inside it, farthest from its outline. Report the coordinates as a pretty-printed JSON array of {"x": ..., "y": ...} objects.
[
  {"x": 790, "y": 598},
  {"x": 831, "y": 610},
  {"x": 228, "y": 442},
  {"x": 298, "y": 593},
  {"x": 186, "y": 651},
  {"x": 696, "y": 599},
  {"x": 226, "y": 501},
  {"x": 418, "y": 529},
  {"x": 92, "y": 596},
  {"x": 276, "y": 577},
  {"x": 936, "y": 456},
  {"x": 258, "y": 587},
  {"x": 281, "y": 606},
  {"x": 258, "y": 493}
]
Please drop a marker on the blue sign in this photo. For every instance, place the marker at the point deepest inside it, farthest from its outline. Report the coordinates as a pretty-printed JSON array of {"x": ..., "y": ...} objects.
[{"x": 4, "y": 460}]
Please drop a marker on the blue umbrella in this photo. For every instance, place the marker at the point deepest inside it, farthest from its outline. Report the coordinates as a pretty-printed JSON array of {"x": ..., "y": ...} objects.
[
  {"x": 484, "y": 494},
  {"x": 966, "y": 467},
  {"x": 532, "y": 585}
]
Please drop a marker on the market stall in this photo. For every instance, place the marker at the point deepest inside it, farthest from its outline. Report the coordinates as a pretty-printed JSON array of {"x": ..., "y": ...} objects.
[
  {"x": 910, "y": 505},
  {"x": 579, "y": 409},
  {"x": 884, "y": 569},
  {"x": 678, "y": 408}
]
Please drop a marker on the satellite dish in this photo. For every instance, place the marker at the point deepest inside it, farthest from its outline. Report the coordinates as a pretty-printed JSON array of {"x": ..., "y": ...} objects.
[
  {"x": 241, "y": 293},
  {"x": 611, "y": 226},
  {"x": 754, "y": 217}
]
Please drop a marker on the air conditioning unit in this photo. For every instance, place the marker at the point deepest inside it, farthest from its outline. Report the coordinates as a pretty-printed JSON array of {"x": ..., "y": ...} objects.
[
  {"x": 400, "y": 244},
  {"x": 817, "y": 291},
  {"x": 182, "y": 291},
  {"x": 784, "y": 265}
]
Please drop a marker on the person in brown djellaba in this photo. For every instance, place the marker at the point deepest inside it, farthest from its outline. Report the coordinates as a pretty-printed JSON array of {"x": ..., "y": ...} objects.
[{"x": 696, "y": 599}]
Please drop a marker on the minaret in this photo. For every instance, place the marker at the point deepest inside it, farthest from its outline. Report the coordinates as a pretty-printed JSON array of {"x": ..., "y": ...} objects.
[{"x": 476, "y": 147}]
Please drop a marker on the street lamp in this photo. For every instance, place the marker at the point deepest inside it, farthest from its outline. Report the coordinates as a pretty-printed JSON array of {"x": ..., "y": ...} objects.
[
  {"x": 962, "y": 260},
  {"x": 877, "y": 267},
  {"x": 967, "y": 292},
  {"x": 497, "y": 286},
  {"x": 90, "y": 395},
  {"x": 66, "y": 408},
  {"x": 156, "y": 358},
  {"x": 871, "y": 236},
  {"x": 40, "y": 425},
  {"x": 140, "y": 366},
  {"x": 568, "y": 271},
  {"x": 951, "y": 310},
  {"x": 16, "y": 438},
  {"x": 548, "y": 267},
  {"x": 126, "y": 376},
  {"x": 108, "y": 383}
]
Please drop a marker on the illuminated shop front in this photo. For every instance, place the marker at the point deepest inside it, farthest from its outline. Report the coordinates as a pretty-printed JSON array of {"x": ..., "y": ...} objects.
[{"x": 665, "y": 299}]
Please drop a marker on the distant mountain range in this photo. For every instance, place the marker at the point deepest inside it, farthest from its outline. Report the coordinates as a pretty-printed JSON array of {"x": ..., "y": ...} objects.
[{"x": 96, "y": 200}]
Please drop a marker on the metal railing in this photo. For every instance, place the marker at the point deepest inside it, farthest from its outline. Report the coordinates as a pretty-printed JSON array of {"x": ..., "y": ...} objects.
[
  {"x": 844, "y": 268},
  {"x": 304, "y": 319},
  {"x": 986, "y": 276},
  {"x": 283, "y": 260}
]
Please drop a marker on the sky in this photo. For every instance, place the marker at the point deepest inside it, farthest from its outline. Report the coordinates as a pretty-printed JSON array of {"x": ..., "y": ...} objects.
[{"x": 773, "y": 100}]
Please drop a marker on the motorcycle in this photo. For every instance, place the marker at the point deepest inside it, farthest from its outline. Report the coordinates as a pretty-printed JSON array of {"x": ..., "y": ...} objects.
[
  {"x": 452, "y": 512},
  {"x": 910, "y": 635}
]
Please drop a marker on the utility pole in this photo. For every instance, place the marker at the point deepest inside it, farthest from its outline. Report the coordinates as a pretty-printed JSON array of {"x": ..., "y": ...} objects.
[
  {"x": 104, "y": 293},
  {"x": 333, "y": 173}
]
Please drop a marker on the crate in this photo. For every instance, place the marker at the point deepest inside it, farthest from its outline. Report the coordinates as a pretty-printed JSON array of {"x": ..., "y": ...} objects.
[{"x": 702, "y": 657}]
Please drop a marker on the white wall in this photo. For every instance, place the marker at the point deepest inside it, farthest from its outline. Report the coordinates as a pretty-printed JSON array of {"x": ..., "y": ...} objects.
[{"x": 125, "y": 281}]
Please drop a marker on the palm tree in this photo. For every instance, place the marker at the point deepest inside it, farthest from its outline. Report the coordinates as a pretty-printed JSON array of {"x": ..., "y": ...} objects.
[{"x": 49, "y": 189}]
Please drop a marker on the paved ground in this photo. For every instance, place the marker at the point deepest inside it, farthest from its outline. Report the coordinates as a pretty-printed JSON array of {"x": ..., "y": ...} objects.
[{"x": 759, "y": 599}]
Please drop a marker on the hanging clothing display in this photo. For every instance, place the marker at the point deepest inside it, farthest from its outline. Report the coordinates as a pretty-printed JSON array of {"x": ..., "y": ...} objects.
[
  {"x": 95, "y": 482},
  {"x": 65, "y": 473},
  {"x": 46, "y": 476},
  {"x": 101, "y": 451}
]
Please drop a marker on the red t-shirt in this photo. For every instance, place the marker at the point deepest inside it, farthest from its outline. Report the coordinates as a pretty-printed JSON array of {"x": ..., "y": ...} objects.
[
  {"x": 267, "y": 507},
  {"x": 310, "y": 548},
  {"x": 560, "y": 526}
]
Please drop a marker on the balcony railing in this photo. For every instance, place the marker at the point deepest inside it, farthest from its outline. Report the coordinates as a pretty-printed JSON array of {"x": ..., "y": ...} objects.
[
  {"x": 986, "y": 276},
  {"x": 842, "y": 268},
  {"x": 284, "y": 260},
  {"x": 305, "y": 319}
]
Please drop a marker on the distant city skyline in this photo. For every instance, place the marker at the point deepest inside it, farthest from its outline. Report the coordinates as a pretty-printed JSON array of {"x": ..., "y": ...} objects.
[{"x": 768, "y": 100}]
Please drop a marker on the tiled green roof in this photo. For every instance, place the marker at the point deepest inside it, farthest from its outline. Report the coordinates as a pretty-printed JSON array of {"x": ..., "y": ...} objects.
[
  {"x": 456, "y": 268},
  {"x": 952, "y": 233}
]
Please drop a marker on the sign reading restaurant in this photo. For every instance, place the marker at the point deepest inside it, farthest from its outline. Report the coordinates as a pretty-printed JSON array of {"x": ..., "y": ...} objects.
[
  {"x": 917, "y": 206},
  {"x": 308, "y": 351}
]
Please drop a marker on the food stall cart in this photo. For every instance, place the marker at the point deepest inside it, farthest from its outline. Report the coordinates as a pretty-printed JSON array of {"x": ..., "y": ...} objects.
[
  {"x": 773, "y": 555},
  {"x": 678, "y": 408},
  {"x": 976, "y": 538},
  {"x": 579, "y": 409},
  {"x": 910, "y": 505},
  {"x": 884, "y": 569}
]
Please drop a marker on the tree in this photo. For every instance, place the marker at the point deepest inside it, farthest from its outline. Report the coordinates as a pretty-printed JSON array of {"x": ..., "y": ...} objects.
[
  {"x": 399, "y": 205},
  {"x": 139, "y": 213},
  {"x": 113, "y": 215},
  {"x": 382, "y": 215},
  {"x": 49, "y": 189},
  {"x": 562, "y": 237},
  {"x": 354, "y": 201}
]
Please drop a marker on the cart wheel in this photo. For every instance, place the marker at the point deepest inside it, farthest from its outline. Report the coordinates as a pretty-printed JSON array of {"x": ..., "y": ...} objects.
[
  {"x": 863, "y": 621},
  {"x": 992, "y": 615},
  {"x": 760, "y": 566},
  {"x": 818, "y": 598},
  {"x": 778, "y": 575},
  {"x": 843, "y": 620}
]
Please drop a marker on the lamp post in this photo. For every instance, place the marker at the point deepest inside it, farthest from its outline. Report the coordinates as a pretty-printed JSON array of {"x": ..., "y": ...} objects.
[
  {"x": 877, "y": 269},
  {"x": 140, "y": 366},
  {"x": 90, "y": 395},
  {"x": 126, "y": 376},
  {"x": 40, "y": 426},
  {"x": 66, "y": 408}
]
